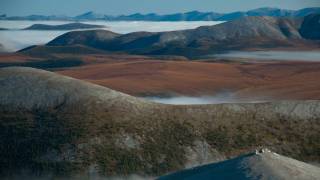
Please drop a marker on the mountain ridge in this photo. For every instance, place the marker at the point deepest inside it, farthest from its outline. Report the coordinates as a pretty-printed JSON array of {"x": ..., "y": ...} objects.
[
  {"x": 187, "y": 16},
  {"x": 244, "y": 33}
]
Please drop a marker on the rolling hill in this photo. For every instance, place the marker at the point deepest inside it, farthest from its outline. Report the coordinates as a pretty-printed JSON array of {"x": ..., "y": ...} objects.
[
  {"x": 170, "y": 76},
  {"x": 247, "y": 81},
  {"x": 90, "y": 38},
  {"x": 244, "y": 33},
  {"x": 52, "y": 124},
  {"x": 69, "y": 26}
]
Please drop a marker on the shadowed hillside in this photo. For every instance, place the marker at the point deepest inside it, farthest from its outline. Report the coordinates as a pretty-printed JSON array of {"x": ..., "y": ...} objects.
[
  {"x": 89, "y": 38},
  {"x": 310, "y": 28},
  {"x": 52, "y": 123},
  {"x": 47, "y": 51},
  {"x": 259, "y": 165}
]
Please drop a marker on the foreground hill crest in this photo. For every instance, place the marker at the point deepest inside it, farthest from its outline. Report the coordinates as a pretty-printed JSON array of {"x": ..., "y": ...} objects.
[{"x": 42, "y": 89}]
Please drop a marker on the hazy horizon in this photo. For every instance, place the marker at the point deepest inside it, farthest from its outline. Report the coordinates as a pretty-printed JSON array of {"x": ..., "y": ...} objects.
[{"x": 119, "y": 7}]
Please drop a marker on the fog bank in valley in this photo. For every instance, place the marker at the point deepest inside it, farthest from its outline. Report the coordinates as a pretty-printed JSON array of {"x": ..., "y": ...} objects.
[
  {"x": 15, "y": 39},
  {"x": 272, "y": 55},
  {"x": 205, "y": 99}
]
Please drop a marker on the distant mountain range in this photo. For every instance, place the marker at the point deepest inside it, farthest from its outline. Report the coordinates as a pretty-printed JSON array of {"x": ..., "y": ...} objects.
[
  {"x": 243, "y": 33},
  {"x": 188, "y": 16}
]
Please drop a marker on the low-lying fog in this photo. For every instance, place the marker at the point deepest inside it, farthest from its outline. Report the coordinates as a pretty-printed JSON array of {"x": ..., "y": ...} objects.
[
  {"x": 15, "y": 39},
  {"x": 272, "y": 55},
  {"x": 216, "y": 99}
]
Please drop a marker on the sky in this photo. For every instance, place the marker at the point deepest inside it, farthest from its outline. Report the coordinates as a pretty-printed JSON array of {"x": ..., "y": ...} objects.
[{"x": 117, "y": 7}]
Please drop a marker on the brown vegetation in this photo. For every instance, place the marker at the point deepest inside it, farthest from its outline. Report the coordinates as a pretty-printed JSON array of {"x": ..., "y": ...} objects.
[{"x": 281, "y": 80}]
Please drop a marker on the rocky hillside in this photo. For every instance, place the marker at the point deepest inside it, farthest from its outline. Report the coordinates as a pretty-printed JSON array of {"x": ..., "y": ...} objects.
[
  {"x": 245, "y": 33},
  {"x": 70, "y": 26},
  {"x": 259, "y": 165},
  {"x": 52, "y": 124}
]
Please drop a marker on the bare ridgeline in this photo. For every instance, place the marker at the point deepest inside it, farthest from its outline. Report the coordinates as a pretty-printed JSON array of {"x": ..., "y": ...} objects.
[
  {"x": 53, "y": 126},
  {"x": 245, "y": 33}
]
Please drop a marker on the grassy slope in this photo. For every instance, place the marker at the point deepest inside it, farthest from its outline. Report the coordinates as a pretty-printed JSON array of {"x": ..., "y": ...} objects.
[{"x": 64, "y": 126}]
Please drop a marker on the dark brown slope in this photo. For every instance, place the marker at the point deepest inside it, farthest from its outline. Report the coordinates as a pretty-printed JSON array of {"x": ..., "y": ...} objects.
[
  {"x": 49, "y": 57},
  {"x": 52, "y": 124},
  {"x": 57, "y": 57},
  {"x": 49, "y": 51},
  {"x": 248, "y": 32}
]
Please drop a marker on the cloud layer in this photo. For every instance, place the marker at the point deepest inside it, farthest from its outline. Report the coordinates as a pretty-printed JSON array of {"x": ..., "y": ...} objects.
[
  {"x": 215, "y": 99},
  {"x": 16, "y": 39}
]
